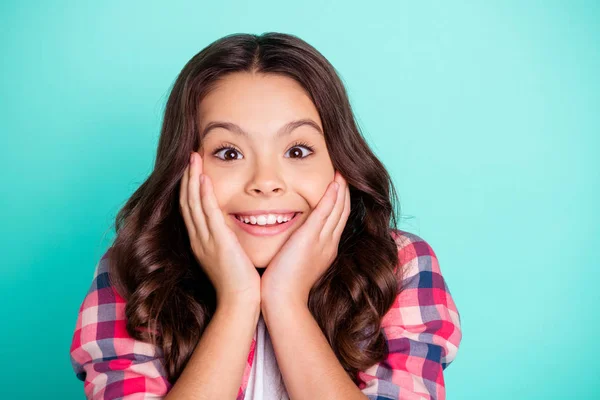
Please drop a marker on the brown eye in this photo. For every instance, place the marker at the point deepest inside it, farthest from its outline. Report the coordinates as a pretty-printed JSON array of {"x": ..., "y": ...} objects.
[
  {"x": 296, "y": 152},
  {"x": 229, "y": 153}
]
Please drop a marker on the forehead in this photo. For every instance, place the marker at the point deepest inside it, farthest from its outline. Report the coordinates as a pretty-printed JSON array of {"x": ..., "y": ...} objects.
[{"x": 257, "y": 102}]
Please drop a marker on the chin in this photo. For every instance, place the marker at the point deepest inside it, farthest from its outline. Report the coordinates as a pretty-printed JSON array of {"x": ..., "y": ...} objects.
[
  {"x": 261, "y": 262},
  {"x": 260, "y": 251}
]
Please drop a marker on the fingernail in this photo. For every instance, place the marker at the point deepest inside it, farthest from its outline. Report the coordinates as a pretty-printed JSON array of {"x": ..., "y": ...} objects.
[
  {"x": 201, "y": 178},
  {"x": 336, "y": 186}
]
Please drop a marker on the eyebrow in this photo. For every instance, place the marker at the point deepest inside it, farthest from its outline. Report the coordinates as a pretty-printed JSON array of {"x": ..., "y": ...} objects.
[{"x": 286, "y": 129}]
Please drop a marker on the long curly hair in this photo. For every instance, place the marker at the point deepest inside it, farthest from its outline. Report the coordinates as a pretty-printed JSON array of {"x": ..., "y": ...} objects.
[{"x": 170, "y": 300}]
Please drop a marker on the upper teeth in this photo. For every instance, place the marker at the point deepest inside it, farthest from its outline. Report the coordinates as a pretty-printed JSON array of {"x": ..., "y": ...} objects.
[{"x": 267, "y": 219}]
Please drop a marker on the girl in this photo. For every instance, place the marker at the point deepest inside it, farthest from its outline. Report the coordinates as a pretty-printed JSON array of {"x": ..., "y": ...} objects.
[{"x": 257, "y": 260}]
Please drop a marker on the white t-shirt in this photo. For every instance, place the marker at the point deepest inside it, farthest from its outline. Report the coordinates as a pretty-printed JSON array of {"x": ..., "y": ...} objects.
[{"x": 265, "y": 381}]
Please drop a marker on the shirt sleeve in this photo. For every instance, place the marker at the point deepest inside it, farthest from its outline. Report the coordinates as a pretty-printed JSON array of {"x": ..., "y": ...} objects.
[
  {"x": 422, "y": 330},
  {"x": 111, "y": 364}
]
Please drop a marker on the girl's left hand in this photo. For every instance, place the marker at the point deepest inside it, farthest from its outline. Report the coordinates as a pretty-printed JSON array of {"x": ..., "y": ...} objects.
[{"x": 310, "y": 250}]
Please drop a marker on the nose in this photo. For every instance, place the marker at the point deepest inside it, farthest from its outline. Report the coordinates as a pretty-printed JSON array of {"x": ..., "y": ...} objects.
[{"x": 266, "y": 181}]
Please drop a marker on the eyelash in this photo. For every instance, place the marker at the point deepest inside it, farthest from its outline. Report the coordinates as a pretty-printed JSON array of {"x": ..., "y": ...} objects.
[{"x": 231, "y": 147}]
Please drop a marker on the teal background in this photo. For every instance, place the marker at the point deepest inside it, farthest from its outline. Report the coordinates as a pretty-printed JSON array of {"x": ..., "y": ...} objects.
[{"x": 485, "y": 113}]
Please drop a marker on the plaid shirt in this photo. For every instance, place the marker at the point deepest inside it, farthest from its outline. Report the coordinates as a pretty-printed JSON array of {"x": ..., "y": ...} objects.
[{"x": 422, "y": 330}]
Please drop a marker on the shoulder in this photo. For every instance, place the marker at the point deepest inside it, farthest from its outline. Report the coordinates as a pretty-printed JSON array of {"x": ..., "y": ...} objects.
[
  {"x": 422, "y": 328},
  {"x": 417, "y": 261},
  {"x": 405, "y": 238},
  {"x": 101, "y": 293},
  {"x": 102, "y": 311},
  {"x": 424, "y": 301},
  {"x": 103, "y": 354},
  {"x": 101, "y": 322}
]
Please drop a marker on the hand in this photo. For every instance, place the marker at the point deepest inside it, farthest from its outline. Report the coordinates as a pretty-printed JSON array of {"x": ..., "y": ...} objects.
[
  {"x": 214, "y": 244},
  {"x": 310, "y": 250}
]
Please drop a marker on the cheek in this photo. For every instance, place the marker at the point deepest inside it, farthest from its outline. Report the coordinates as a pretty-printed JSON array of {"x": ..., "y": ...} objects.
[
  {"x": 313, "y": 191},
  {"x": 223, "y": 191},
  {"x": 311, "y": 183}
]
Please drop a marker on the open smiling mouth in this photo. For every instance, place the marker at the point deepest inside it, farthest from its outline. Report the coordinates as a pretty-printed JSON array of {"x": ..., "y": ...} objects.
[{"x": 277, "y": 226}]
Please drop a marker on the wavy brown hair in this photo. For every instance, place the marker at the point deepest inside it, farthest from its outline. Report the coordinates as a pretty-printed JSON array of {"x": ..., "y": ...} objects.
[{"x": 170, "y": 300}]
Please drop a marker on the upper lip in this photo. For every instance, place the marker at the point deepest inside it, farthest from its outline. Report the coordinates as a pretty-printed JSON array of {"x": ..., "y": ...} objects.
[{"x": 265, "y": 212}]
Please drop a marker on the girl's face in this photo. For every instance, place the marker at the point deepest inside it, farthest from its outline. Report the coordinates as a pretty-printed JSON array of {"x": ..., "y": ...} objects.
[{"x": 264, "y": 168}]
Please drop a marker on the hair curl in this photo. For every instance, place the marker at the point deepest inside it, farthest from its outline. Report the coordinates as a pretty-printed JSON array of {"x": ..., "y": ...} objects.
[{"x": 170, "y": 300}]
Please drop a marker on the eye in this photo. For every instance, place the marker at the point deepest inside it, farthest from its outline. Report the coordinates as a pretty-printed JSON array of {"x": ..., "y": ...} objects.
[
  {"x": 298, "y": 145},
  {"x": 228, "y": 151}
]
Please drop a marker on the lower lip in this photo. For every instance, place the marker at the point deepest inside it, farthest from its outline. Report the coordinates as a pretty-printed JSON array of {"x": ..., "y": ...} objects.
[{"x": 262, "y": 230}]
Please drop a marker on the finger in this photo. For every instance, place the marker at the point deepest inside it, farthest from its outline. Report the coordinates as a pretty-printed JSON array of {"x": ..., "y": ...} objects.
[
  {"x": 214, "y": 215},
  {"x": 337, "y": 233},
  {"x": 338, "y": 208},
  {"x": 321, "y": 212},
  {"x": 195, "y": 200},
  {"x": 183, "y": 202}
]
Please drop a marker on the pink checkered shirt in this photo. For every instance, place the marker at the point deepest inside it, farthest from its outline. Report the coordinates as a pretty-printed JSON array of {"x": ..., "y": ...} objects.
[{"x": 422, "y": 329}]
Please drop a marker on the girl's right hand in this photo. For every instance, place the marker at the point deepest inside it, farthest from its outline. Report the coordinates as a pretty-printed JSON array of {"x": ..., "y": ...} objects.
[{"x": 213, "y": 243}]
